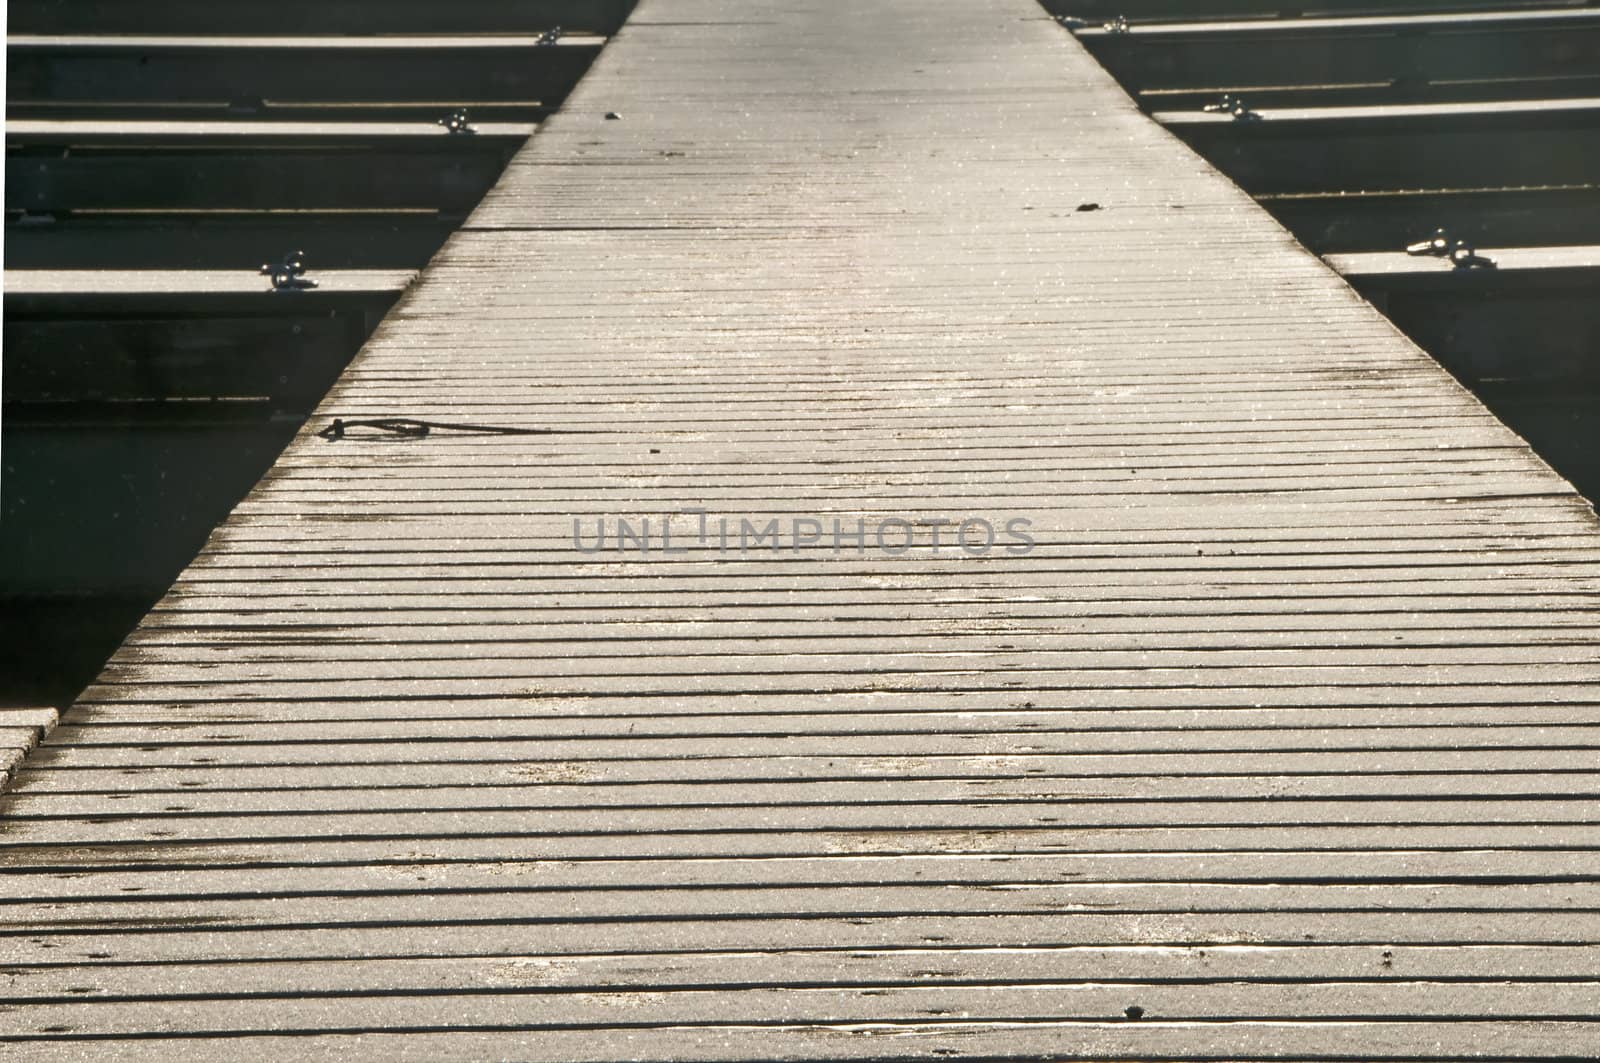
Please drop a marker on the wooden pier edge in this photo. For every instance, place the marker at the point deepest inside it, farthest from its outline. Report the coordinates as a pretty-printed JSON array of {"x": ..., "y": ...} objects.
[{"x": 1268, "y": 733}]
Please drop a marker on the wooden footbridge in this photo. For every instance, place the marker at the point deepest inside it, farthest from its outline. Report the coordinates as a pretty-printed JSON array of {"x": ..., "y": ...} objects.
[{"x": 1266, "y": 726}]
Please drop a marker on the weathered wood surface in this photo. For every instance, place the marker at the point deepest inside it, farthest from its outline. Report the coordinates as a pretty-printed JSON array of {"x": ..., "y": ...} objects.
[
  {"x": 20, "y": 731},
  {"x": 1282, "y": 736},
  {"x": 1139, "y": 11},
  {"x": 191, "y": 283},
  {"x": 56, "y": 315},
  {"x": 113, "y": 132}
]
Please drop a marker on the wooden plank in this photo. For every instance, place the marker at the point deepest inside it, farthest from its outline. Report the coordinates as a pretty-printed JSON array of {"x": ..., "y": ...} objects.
[
  {"x": 1555, "y": 850},
  {"x": 218, "y": 791},
  {"x": 38, "y": 719},
  {"x": 821, "y": 872},
  {"x": 54, "y": 775},
  {"x": 179, "y": 284},
  {"x": 1385, "y": 18},
  {"x": 413, "y": 136},
  {"x": 536, "y": 1011},
  {"x": 928, "y": 966},
  {"x": 1224, "y": 819},
  {"x": 505, "y": 903},
  {"x": 169, "y": 727},
  {"x": 222, "y": 944},
  {"x": 1210, "y": 10},
  {"x": 846, "y": 866},
  {"x": 1571, "y": 264},
  {"x": 293, "y": 44},
  {"x": 1110, "y": 1039}
]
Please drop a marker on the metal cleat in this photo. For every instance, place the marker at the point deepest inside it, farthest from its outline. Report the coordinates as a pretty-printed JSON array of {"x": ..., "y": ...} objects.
[
  {"x": 1234, "y": 105},
  {"x": 1464, "y": 256},
  {"x": 1437, "y": 245},
  {"x": 289, "y": 275},
  {"x": 457, "y": 123}
]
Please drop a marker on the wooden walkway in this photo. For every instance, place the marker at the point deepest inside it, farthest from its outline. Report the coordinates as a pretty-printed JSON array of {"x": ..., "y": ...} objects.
[{"x": 1280, "y": 742}]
